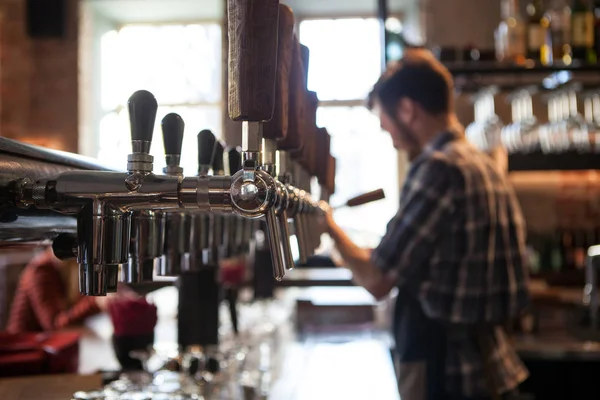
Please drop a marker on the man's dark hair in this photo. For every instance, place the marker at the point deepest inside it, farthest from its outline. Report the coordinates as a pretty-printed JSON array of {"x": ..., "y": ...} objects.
[{"x": 418, "y": 76}]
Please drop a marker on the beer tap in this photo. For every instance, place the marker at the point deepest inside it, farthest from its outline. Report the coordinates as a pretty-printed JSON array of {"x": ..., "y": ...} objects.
[
  {"x": 307, "y": 161},
  {"x": 233, "y": 264},
  {"x": 199, "y": 289},
  {"x": 201, "y": 248},
  {"x": 146, "y": 246},
  {"x": 105, "y": 201},
  {"x": 253, "y": 33},
  {"x": 218, "y": 230},
  {"x": 176, "y": 251},
  {"x": 277, "y": 128},
  {"x": 235, "y": 225},
  {"x": 293, "y": 144}
]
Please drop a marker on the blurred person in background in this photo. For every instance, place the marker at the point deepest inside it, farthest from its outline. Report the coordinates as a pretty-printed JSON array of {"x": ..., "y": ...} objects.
[
  {"x": 41, "y": 301},
  {"x": 455, "y": 249}
]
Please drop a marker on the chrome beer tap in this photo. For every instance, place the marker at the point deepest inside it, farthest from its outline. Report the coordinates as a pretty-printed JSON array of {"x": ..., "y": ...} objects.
[
  {"x": 253, "y": 33},
  {"x": 104, "y": 201},
  {"x": 199, "y": 288},
  {"x": 234, "y": 224},
  {"x": 219, "y": 229},
  {"x": 176, "y": 253},
  {"x": 201, "y": 248}
]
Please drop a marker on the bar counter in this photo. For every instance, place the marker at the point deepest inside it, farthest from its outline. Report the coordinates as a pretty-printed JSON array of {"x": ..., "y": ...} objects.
[
  {"x": 319, "y": 366},
  {"x": 321, "y": 363}
]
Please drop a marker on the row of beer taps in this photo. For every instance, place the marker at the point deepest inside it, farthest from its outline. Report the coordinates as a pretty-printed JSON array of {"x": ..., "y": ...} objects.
[{"x": 147, "y": 223}]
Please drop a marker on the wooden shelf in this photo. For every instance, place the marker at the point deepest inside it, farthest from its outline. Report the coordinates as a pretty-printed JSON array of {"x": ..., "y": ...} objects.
[
  {"x": 568, "y": 161},
  {"x": 494, "y": 68}
]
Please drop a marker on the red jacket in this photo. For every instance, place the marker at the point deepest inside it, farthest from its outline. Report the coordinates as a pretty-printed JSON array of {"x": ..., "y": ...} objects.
[{"x": 40, "y": 302}]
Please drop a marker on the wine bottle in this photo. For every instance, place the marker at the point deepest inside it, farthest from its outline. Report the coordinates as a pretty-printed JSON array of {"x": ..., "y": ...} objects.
[
  {"x": 582, "y": 32},
  {"x": 537, "y": 26}
]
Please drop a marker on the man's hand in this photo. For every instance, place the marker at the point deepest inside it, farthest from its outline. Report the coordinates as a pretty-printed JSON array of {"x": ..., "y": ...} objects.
[{"x": 328, "y": 220}]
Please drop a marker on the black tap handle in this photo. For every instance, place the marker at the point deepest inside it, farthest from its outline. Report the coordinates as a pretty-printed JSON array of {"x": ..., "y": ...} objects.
[
  {"x": 206, "y": 147},
  {"x": 172, "y": 128},
  {"x": 142, "y": 114},
  {"x": 234, "y": 160},
  {"x": 218, "y": 162}
]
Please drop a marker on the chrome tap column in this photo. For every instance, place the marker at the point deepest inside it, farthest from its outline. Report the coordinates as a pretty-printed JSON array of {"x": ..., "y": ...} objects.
[
  {"x": 176, "y": 251},
  {"x": 199, "y": 289}
]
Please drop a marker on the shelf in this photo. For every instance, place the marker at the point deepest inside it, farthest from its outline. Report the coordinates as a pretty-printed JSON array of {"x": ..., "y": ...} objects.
[
  {"x": 568, "y": 161},
  {"x": 494, "y": 68}
]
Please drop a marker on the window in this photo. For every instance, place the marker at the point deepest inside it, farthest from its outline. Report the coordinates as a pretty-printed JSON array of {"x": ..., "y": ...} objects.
[
  {"x": 345, "y": 62},
  {"x": 180, "y": 65}
]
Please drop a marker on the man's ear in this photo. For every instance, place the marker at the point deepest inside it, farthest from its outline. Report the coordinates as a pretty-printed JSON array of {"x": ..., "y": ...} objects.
[{"x": 405, "y": 110}]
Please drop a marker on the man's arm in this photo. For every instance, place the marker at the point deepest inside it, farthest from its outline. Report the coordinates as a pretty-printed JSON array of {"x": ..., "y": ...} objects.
[
  {"x": 358, "y": 260},
  {"x": 411, "y": 234},
  {"x": 49, "y": 302}
]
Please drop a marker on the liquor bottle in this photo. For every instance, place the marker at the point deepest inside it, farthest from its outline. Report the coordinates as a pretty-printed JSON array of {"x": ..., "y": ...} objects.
[
  {"x": 559, "y": 17},
  {"x": 537, "y": 26},
  {"x": 582, "y": 32},
  {"x": 597, "y": 28},
  {"x": 510, "y": 35}
]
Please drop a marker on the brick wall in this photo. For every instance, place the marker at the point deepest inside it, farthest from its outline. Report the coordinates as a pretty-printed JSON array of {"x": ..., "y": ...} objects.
[{"x": 39, "y": 81}]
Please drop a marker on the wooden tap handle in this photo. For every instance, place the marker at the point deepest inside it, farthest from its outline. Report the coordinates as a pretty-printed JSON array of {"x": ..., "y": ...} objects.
[
  {"x": 310, "y": 153},
  {"x": 366, "y": 198},
  {"x": 277, "y": 128},
  {"x": 292, "y": 142},
  {"x": 330, "y": 182},
  {"x": 323, "y": 150},
  {"x": 252, "y": 28}
]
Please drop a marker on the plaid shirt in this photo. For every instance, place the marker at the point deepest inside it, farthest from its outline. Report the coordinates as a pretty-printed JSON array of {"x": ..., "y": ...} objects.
[{"x": 458, "y": 239}]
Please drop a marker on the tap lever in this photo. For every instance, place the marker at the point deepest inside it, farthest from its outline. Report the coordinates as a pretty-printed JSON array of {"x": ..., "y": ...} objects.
[
  {"x": 142, "y": 108},
  {"x": 234, "y": 161},
  {"x": 252, "y": 29},
  {"x": 284, "y": 230},
  {"x": 277, "y": 128},
  {"x": 172, "y": 129},
  {"x": 206, "y": 151},
  {"x": 218, "y": 159},
  {"x": 275, "y": 244}
]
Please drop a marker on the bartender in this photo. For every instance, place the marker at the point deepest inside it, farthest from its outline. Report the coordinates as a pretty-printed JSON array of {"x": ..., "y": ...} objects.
[
  {"x": 41, "y": 302},
  {"x": 455, "y": 249}
]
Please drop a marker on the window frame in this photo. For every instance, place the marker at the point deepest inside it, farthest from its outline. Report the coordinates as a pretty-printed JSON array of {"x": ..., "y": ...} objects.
[
  {"x": 91, "y": 112},
  {"x": 401, "y": 159}
]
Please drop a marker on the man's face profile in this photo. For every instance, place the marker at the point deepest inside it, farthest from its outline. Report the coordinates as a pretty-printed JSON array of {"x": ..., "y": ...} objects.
[{"x": 403, "y": 137}]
